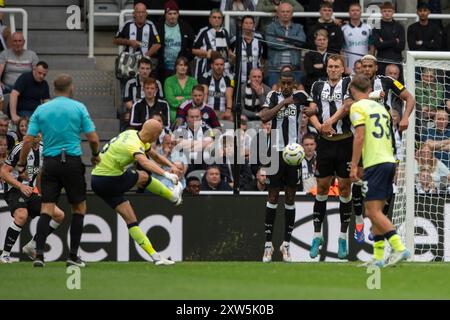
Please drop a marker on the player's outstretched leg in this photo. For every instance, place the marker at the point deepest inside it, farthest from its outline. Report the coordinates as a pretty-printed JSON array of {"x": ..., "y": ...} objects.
[
  {"x": 320, "y": 207},
  {"x": 175, "y": 196}
]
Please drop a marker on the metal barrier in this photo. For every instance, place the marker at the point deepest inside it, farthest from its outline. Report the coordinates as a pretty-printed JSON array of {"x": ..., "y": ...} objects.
[
  {"x": 12, "y": 21},
  {"x": 229, "y": 14}
]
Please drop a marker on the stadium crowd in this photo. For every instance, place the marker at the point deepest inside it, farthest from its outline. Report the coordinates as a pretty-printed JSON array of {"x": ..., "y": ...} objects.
[{"x": 186, "y": 80}]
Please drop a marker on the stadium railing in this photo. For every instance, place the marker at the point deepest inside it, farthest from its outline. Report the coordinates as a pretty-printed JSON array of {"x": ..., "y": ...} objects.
[
  {"x": 12, "y": 21},
  {"x": 228, "y": 14}
]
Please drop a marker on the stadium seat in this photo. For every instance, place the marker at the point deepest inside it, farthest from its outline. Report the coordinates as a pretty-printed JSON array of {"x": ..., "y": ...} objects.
[
  {"x": 196, "y": 173},
  {"x": 106, "y": 6}
]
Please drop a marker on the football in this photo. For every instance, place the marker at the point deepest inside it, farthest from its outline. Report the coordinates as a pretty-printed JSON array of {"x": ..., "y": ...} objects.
[{"x": 293, "y": 154}]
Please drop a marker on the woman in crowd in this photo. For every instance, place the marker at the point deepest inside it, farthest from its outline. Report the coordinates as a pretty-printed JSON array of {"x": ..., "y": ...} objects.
[{"x": 178, "y": 88}]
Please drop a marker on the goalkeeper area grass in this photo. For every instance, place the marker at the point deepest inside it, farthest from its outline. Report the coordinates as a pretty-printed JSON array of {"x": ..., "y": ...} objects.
[{"x": 225, "y": 281}]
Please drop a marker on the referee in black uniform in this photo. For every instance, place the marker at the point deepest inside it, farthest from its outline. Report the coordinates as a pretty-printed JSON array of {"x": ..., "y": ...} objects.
[{"x": 61, "y": 121}]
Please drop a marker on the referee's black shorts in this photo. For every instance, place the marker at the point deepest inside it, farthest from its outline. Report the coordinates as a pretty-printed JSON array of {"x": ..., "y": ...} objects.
[{"x": 69, "y": 175}]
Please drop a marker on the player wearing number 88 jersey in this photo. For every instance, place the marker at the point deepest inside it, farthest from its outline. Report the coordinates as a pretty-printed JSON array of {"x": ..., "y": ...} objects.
[{"x": 373, "y": 140}]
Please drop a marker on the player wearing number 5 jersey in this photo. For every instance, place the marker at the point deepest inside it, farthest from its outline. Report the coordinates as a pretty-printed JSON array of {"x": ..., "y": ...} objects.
[
  {"x": 373, "y": 140},
  {"x": 112, "y": 177}
]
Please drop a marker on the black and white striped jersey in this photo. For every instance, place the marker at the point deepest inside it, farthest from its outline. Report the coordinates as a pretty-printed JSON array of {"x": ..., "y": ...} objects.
[
  {"x": 147, "y": 35},
  {"x": 142, "y": 111},
  {"x": 286, "y": 124},
  {"x": 389, "y": 86},
  {"x": 135, "y": 92},
  {"x": 216, "y": 90},
  {"x": 34, "y": 165},
  {"x": 252, "y": 53},
  {"x": 329, "y": 99},
  {"x": 216, "y": 40}
]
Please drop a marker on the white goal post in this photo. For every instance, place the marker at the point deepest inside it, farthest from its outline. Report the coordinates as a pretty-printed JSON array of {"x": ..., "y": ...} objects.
[{"x": 405, "y": 205}]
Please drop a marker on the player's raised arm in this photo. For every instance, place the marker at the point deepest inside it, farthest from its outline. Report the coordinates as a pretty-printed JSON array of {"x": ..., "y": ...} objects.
[{"x": 409, "y": 107}]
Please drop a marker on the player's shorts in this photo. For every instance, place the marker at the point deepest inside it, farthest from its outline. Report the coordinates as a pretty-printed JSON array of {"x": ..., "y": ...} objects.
[
  {"x": 69, "y": 175},
  {"x": 334, "y": 157},
  {"x": 16, "y": 200},
  {"x": 378, "y": 181},
  {"x": 286, "y": 175},
  {"x": 112, "y": 189}
]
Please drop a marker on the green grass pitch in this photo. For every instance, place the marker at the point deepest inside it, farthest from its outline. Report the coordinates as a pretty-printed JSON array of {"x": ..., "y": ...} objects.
[{"x": 225, "y": 280}]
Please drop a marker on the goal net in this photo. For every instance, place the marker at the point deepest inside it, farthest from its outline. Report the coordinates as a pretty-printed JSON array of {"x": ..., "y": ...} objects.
[{"x": 421, "y": 213}]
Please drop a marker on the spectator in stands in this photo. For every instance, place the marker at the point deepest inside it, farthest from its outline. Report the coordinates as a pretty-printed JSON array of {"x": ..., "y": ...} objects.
[
  {"x": 5, "y": 37},
  {"x": 3, "y": 151},
  {"x": 426, "y": 164},
  {"x": 245, "y": 137},
  {"x": 165, "y": 131},
  {"x": 177, "y": 38},
  {"x": 21, "y": 130},
  {"x": 287, "y": 68},
  {"x": 425, "y": 119},
  {"x": 4, "y": 125},
  {"x": 149, "y": 105},
  {"x": 425, "y": 183},
  {"x": 308, "y": 180},
  {"x": 134, "y": 89},
  {"x": 225, "y": 159},
  {"x": 306, "y": 128},
  {"x": 236, "y": 5},
  {"x": 218, "y": 88},
  {"x": 212, "y": 180},
  {"x": 195, "y": 138},
  {"x": 30, "y": 90},
  {"x": 326, "y": 21},
  {"x": 278, "y": 54},
  {"x": 357, "y": 37},
  {"x": 315, "y": 62},
  {"x": 394, "y": 101},
  {"x": 438, "y": 138},
  {"x": 338, "y": 5},
  {"x": 259, "y": 151},
  {"x": 211, "y": 38},
  {"x": 258, "y": 184},
  {"x": 208, "y": 115},
  {"x": 429, "y": 91},
  {"x": 253, "y": 95},
  {"x": 177, "y": 158},
  {"x": 272, "y": 7},
  {"x": 424, "y": 35},
  {"x": 192, "y": 186},
  {"x": 15, "y": 61},
  {"x": 178, "y": 88},
  {"x": 253, "y": 50},
  {"x": 389, "y": 39},
  {"x": 357, "y": 67},
  {"x": 139, "y": 35}
]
